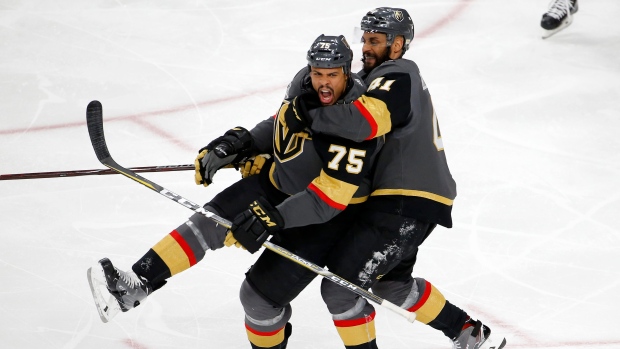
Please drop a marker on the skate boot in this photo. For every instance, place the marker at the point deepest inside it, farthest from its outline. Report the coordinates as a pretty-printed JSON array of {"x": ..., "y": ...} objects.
[
  {"x": 558, "y": 17},
  {"x": 126, "y": 289},
  {"x": 475, "y": 335}
]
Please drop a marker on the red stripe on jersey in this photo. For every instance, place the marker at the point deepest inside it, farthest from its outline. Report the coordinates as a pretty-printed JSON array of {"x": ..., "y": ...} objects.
[
  {"x": 355, "y": 322},
  {"x": 264, "y": 334},
  {"x": 185, "y": 246},
  {"x": 423, "y": 299},
  {"x": 366, "y": 114},
  {"x": 326, "y": 198}
]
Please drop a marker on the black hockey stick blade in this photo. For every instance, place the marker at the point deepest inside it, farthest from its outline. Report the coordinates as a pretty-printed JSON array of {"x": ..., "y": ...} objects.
[{"x": 94, "y": 122}]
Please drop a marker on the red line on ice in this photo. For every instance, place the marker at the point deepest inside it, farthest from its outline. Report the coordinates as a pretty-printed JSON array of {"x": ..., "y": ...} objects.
[{"x": 139, "y": 118}]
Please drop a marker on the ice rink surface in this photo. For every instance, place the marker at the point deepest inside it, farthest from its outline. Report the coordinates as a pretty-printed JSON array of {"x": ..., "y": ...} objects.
[{"x": 529, "y": 126}]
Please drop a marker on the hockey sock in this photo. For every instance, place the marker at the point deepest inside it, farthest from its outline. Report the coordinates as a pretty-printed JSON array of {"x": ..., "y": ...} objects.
[
  {"x": 177, "y": 251},
  {"x": 433, "y": 309},
  {"x": 276, "y": 339},
  {"x": 358, "y": 332}
]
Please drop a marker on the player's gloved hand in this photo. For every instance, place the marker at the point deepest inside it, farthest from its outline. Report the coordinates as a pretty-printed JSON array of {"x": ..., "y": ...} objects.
[
  {"x": 253, "y": 166},
  {"x": 232, "y": 148},
  {"x": 296, "y": 115},
  {"x": 253, "y": 226},
  {"x": 231, "y": 241}
]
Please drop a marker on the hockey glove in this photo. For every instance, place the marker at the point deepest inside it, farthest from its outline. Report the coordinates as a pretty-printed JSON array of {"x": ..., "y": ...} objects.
[
  {"x": 231, "y": 241},
  {"x": 253, "y": 226},
  {"x": 296, "y": 115},
  {"x": 253, "y": 166},
  {"x": 233, "y": 148}
]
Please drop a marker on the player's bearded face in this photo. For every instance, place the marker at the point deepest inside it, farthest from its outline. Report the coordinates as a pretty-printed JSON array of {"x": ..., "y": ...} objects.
[
  {"x": 375, "y": 50},
  {"x": 329, "y": 84}
]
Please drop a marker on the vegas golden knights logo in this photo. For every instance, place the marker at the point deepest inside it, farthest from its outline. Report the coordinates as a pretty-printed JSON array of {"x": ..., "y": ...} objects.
[
  {"x": 287, "y": 145},
  {"x": 398, "y": 15}
]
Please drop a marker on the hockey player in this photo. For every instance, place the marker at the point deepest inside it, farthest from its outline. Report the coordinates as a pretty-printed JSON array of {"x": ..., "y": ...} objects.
[
  {"x": 558, "y": 16},
  {"x": 312, "y": 178},
  {"x": 413, "y": 190}
]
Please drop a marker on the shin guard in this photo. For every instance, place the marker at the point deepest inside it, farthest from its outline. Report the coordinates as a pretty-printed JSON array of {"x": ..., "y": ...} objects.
[{"x": 266, "y": 325}]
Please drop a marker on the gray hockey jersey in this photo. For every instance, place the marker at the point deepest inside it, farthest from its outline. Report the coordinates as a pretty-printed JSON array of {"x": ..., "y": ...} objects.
[
  {"x": 411, "y": 175},
  {"x": 322, "y": 173}
]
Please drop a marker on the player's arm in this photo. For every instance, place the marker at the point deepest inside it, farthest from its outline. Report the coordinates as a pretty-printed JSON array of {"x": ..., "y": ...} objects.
[
  {"x": 385, "y": 104},
  {"x": 324, "y": 198},
  {"x": 346, "y": 163},
  {"x": 262, "y": 135}
]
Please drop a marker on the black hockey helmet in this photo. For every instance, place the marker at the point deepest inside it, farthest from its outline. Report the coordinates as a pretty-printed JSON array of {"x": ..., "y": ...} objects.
[
  {"x": 330, "y": 52},
  {"x": 391, "y": 21}
]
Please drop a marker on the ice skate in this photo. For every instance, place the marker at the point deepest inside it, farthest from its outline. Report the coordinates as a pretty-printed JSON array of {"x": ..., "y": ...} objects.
[
  {"x": 558, "y": 17},
  {"x": 115, "y": 290},
  {"x": 475, "y": 335}
]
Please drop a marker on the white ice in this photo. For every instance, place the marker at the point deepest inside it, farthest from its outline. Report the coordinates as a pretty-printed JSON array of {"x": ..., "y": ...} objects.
[{"x": 529, "y": 126}]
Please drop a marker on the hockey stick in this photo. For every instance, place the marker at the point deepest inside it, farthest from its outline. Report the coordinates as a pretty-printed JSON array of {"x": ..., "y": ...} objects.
[
  {"x": 76, "y": 173},
  {"x": 94, "y": 120}
]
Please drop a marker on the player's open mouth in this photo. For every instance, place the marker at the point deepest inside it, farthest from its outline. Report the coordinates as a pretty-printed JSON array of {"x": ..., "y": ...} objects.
[
  {"x": 326, "y": 95},
  {"x": 369, "y": 59}
]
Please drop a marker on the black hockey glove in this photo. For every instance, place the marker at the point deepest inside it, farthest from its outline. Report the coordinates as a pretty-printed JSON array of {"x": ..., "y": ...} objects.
[
  {"x": 253, "y": 226},
  {"x": 233, "y": 147},
  {"x": 296, "y": 115}
]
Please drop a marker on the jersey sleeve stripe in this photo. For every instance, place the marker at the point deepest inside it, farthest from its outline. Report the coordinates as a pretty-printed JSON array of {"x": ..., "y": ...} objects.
[
  {"x": 326, "y": 198},
  {"x": 407, "y": 192},
  {"x": 336, "y": 193},
  {"x": 376, "y": 113},
  {"x": 366, "y": 114}
]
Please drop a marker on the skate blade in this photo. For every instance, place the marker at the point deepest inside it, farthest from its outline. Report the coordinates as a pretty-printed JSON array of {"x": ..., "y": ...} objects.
[
  {"x": 107, "y": 309},
  {"x": 493, "y": 343},
  {"x": 548, "y": 33}
]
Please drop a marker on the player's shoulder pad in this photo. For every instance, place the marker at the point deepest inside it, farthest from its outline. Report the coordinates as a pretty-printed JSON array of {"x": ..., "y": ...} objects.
[
  {"x": 358, "y": 88},
  {"x": 402, "y": 65},
  {"x": 399, "y": 70},
  {"x": 299, "y": 85}
]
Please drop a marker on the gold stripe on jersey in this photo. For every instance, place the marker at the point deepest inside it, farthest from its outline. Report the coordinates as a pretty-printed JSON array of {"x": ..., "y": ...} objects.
[
  {"x": 359, "y": 200},
  {"x": 408, "y": 192},
  {"x": 379, "y": 112},
  {"x": 336, "y": 190},
  {"x": 172, "y": 254}
]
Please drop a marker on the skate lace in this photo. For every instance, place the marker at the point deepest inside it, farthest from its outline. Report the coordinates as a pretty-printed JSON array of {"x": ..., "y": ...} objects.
[
  {"x": 130, "y": 278},
  {"x": 558, "y": 9}
]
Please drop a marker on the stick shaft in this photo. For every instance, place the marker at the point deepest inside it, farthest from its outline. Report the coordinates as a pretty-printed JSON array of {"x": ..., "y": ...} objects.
[{"x": 76, "y": 173}]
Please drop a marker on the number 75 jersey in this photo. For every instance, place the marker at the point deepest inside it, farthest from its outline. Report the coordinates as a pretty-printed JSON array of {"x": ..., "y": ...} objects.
[{"x": 322, "y": 173}]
